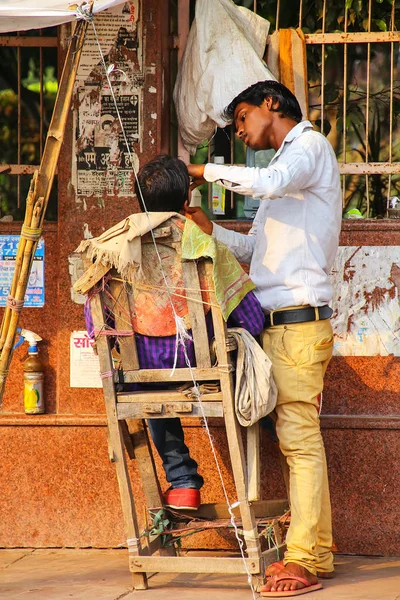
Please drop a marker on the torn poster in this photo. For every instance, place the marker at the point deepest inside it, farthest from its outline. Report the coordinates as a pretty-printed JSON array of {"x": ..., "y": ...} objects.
[
  {"x": 103, "y": 166},
  {"x": 366, "y": 301}
]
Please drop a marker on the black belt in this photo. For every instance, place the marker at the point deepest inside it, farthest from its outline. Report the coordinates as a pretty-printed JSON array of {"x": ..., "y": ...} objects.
[{"x": 297, "y": 315}]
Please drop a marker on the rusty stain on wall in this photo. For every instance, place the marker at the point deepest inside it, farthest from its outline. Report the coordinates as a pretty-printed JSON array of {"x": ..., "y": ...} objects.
[{"x": 366, "y": 301}]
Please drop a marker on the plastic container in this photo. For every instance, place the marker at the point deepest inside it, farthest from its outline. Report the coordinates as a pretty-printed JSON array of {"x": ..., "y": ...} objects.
[
  {"x": 33, "y": 383},
  {"x": 218, "y": 193}
]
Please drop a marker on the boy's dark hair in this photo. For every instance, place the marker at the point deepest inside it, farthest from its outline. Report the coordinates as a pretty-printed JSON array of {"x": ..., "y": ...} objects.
[
  {"x": 288, "y": 104},
  {"x": 164, "y": 183}
]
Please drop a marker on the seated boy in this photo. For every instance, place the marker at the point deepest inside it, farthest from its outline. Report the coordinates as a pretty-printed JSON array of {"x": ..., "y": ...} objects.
[{"x": 164, "y": 184}]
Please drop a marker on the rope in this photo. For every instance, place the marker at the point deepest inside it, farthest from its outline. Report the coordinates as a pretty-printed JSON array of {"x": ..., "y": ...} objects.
[
  {"x": 106, "y": 375},
  {"x": 84, "y": 13},
  {"x": 113, "y": 332},
  {"x": 14, "y": 304},
  {"x": 30, "y": 233},
  {"x": 181, "y": 333},
  {"x": 159, "y": 287}
]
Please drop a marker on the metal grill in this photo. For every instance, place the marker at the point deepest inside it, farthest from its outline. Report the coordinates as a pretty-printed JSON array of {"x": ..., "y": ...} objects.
[
  {"x": 28, "y": 86},
  {"x": 354, "y": 92}
]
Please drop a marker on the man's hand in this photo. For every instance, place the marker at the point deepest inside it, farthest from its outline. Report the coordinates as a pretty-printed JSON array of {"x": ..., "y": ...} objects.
[
  {"x": 198, "y": 216},
  {"x": 196, "y": 172}
]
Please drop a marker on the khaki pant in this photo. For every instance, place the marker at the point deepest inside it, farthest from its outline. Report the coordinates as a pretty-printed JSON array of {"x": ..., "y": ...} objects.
[{"x": 300, "y": 354}]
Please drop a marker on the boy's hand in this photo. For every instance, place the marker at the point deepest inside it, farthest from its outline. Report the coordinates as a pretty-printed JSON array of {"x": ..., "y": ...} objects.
[
  {"x": 196, "y": 172},
  {"x": 198, "y": 216}
]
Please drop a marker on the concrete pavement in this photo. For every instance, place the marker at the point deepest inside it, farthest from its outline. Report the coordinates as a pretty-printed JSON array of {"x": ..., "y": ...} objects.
[{"x": 64, "y": 574}]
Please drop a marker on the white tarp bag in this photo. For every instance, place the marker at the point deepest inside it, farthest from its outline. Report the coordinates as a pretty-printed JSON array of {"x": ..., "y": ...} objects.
[
  {"x": 223, "y": 57},
  {"x": 21, "y": 15}
]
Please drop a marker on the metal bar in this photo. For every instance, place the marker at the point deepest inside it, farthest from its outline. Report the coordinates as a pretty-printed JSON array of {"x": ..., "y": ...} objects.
[
  {"x": 183, "y": 32},
  {"x": 210, "y": 184},
  {"x": 323, "y": 70},
  {"x": 345, "y": 57},
  {"x": 232, "y": 159},
  {"x": 36, "y": 42},
  {"x": 18, "y": 169},
  {"x": 300, "y": 13},
  {"x": 377, "y": 168},
  {"x": 367, "y": 106},
  {"x": 278, "y": 10},
  {"x": 391, "y": 109},
  {"x": 19, "y": 123},
  {"x": 40, "y": 102},
  {"x": 359, "y": 37}
]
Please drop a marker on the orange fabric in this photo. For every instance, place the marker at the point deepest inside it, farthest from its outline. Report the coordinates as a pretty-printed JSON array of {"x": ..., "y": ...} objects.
[{"x": 153, "y": 311}]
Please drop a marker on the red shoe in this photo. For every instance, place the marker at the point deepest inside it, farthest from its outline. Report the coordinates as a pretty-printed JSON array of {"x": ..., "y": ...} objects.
[{"x": 182, "y": 498}]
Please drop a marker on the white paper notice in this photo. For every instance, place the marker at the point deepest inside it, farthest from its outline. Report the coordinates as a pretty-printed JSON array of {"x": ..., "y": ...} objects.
[{"x": 84, "y": 364}]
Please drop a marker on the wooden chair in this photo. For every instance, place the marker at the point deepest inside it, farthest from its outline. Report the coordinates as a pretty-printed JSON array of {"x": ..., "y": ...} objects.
[{"x": 126, "y": 414}]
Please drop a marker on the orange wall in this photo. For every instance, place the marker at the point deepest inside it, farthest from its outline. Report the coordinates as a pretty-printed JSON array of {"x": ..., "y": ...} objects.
[{"x": 58, "y": 487}]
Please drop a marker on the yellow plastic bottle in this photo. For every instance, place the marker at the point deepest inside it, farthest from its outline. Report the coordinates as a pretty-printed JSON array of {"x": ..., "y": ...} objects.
[{"x": 33, "y": 382}]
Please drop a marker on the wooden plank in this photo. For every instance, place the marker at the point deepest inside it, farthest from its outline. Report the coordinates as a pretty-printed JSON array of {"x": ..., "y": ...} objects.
[
  {"x": 253, "y": 462},
  {"x": 122, "y": 311},
  {"x": 376, "y": 168},
  {"x": 90, "y": 277},
  {"x": 165, "y": 396},
  {"x": 131, "y": 410},
  {"x": 192, "y": 564},
  {"x": 233, "y": 432},
  {"x": 270, "y": 556},
  {"x": 262, "y": 508},
  {"x": 116, "y": 440},
  {"x": 164, "y": 375},
  {"x": 196, "y": 312},
  {"x": 358, "y": 37},
  {"x": 127, "y": 439}
]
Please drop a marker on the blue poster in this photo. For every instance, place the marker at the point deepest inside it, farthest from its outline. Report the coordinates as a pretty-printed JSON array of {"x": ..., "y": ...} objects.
[{"x": 34, "y": 296}]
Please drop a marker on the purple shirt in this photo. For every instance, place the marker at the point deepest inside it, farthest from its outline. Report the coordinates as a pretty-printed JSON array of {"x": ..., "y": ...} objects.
[{"x": 159, "y": 352}]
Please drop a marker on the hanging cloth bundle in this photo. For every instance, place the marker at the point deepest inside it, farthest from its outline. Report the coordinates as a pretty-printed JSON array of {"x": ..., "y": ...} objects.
[
  {"x": 255, "y": 390},
  {"x": 223, "y": 57}
]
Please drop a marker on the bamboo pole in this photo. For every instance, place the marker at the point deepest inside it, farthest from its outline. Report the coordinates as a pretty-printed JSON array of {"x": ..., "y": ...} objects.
[
  {"x": 37, "y": 199},
  {"x": 18, "y": 262}
]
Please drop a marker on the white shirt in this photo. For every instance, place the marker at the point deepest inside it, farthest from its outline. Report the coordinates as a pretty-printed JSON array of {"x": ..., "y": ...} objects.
[{"x": 293, "y": 241}]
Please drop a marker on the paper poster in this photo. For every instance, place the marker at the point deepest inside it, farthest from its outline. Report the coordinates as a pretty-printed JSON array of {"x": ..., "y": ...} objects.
[
  {"x": 103, "y": 164},
  {"x": 366, "y": 301},
  {"x": 107, "y": 130},
  {"x": 34, "y": 296},
  {"x": 84, "y": 363},
  {"x": 119, "y": 35}
]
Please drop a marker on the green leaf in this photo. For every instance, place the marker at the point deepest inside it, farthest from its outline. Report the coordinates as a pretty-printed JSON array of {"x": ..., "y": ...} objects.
[
  {"x": 381, "y": 24},
  {"x": 349, "y": 4}
]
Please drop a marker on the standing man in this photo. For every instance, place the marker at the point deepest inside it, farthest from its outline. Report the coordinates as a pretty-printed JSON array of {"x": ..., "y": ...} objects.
[{"x": 290, "y": 247}]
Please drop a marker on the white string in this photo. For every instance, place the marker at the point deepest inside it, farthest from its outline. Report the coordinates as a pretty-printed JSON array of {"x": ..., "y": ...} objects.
[{"x": 181, "y": 333}]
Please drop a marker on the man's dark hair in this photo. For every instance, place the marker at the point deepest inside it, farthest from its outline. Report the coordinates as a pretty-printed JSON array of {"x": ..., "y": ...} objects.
[
  {"x": 288, "y": 104},
  {"x": 164, "y": 183}
]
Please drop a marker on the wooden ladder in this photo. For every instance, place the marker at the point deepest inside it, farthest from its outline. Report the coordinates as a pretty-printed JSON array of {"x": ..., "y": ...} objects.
[{"x": 127, "y": 412}]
